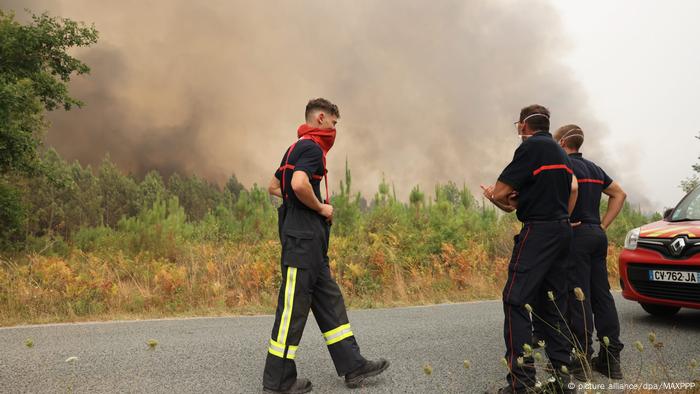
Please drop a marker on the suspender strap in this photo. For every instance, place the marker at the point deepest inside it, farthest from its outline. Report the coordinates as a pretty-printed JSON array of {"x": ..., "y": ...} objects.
[
  {"x": 325, "y": 177},
  {"x": 288, "y": 166}
]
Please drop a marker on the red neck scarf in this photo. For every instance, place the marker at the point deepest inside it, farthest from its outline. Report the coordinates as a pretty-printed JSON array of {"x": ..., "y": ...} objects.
[{"x": 322, "y": 137}]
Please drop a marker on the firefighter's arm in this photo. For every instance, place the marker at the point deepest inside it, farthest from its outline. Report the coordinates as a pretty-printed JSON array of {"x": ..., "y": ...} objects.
[
  {"x": 501, "y": 195},
  {"x": 574, "y": 195},
  {"x": 615, "y": 203},
  {"x": 305, "y": 193},
  {"x": 275, "y": 189}
]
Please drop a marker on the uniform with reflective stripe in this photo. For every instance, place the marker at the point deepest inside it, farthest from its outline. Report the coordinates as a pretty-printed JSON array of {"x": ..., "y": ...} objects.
[
  {"x": 307, "y": 284},
  {"x": 277, "y": 348}
]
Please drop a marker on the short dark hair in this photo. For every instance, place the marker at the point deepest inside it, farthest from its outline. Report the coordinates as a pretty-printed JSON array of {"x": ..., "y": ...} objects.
[
  {"x": 323, "y": 105},
  {"x": 535, "y": 123},
  {"x": 573, "y": 136}
]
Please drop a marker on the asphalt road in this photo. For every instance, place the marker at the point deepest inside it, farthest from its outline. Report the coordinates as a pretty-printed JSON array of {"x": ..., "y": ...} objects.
[{"x": 216, "y": 355}]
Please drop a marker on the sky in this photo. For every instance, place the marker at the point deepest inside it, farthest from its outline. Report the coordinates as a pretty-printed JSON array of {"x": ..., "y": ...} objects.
[{"x": 638, "y": 62}]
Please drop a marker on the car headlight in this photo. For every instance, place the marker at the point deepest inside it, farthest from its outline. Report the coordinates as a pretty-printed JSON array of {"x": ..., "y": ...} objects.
[{"x": 632, "y": 238}]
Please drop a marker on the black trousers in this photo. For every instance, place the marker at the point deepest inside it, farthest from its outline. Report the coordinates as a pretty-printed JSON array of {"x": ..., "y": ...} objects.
[
  {"x": 306, "y": 285},
  {"x": 588, "y": 270},
  {"x": 537, "y": 271}
]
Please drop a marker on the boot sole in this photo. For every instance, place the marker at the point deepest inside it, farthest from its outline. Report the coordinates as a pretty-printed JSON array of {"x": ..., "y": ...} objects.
[
  {"x": 357, "y": 381},
  {"x": 302, "y": 391},
  {"x": 582, "y": 375},
  {"x": 609, "y": 374}
]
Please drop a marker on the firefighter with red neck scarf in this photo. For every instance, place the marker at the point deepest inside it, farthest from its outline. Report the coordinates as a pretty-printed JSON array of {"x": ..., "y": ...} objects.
[
  {"x": 540, "y": 185},
  {"x": 304, "y": 229}
]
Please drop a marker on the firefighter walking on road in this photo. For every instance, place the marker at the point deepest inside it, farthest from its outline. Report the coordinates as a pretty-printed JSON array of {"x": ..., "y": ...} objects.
[
  {"x": 595, "y": 306},
  {"x": 307, "y": 284},
  {"x": 540, "y": 185}
]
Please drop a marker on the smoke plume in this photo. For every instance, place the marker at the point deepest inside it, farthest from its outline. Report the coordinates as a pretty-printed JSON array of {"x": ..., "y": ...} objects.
[{"x": 428, "y": 91}]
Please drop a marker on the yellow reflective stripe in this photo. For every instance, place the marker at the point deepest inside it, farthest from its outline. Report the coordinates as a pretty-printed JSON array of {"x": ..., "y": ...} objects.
[
  {"x": 337, "y": 334},
  {"x": 276, "y": 345},
  {"x": 336, "y": 330},
  {"x": 339, "y": 338},
  {"x": 279, "y": 354},
  {"x": 286, "y": 318},
  {"x": 277, "y": 349},
  {"x": 275, "y": 352}
]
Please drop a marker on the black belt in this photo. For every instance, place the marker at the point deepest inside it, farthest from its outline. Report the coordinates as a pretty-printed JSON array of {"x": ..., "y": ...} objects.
[
  {"x": 546, "y": 221},
  {"x": 584, "y": 224}
]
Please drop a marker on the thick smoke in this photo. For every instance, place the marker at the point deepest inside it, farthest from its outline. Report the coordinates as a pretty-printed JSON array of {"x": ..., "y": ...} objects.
[{"x": 428, "y": 91}]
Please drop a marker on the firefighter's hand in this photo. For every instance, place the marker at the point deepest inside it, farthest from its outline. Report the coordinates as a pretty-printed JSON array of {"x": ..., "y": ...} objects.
[
  {"x": 575, "y": 224},
  {"x": 513, "y": 199},
  {"x": 327, "y": 212},
  {"x": 488, "y": 191}
]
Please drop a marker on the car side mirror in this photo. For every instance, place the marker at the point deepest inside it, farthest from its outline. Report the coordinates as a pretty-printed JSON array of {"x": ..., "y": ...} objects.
[{"x": 667, "y": 213}]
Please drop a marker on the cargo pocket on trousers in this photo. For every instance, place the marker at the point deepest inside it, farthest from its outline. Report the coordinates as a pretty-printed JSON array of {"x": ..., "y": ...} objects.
[
  {"x": 299, "y": 248},
  {"x": 516, "y": 288}
]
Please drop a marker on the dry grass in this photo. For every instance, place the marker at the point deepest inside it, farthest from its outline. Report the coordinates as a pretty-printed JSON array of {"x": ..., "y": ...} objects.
[{"x": 208, "y": 279}]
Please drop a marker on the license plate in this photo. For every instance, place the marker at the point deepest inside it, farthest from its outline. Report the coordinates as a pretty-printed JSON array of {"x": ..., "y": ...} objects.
[{"x": 674, "y": 276}]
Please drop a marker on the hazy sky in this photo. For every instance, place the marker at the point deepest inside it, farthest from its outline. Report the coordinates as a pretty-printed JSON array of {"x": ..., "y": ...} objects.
[{"x": 639, "y": 62}]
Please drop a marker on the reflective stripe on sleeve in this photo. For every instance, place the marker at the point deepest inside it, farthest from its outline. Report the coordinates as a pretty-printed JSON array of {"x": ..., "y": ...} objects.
[
  {"x": 596, "y": 181},
  {"x": 553, "y": 167}
]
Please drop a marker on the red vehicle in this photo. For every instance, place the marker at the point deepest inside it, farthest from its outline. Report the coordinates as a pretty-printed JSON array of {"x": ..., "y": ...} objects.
[{"x": 660, "y": 265}]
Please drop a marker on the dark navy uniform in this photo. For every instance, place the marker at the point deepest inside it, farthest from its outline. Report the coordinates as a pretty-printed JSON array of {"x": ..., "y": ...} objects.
[
  {"x": 587, "y": 263},
  {"x": 541, "y": 173},
  {"x": 307, "y": 283}
]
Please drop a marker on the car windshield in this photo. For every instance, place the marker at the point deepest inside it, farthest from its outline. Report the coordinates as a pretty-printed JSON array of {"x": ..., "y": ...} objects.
[{"x": 688, "y": 208}]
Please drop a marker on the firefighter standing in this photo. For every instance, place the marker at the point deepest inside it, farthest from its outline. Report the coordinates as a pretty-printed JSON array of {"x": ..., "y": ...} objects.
[
  {"x": 540, "y": 185},
  {"x": 588, "y": 261},
  {"x": 304, "y": 230}
]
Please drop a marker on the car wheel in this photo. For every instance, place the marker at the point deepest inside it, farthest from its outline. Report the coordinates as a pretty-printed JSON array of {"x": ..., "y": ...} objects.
[{"x": 660, "y": 310}]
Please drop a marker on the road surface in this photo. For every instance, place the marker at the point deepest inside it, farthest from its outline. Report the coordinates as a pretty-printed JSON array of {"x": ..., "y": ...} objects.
[{"x": 226, "y": 355}]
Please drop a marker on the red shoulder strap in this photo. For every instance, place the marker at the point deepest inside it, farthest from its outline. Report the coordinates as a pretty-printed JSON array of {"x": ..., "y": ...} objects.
[{"x": 288, "y": 166}]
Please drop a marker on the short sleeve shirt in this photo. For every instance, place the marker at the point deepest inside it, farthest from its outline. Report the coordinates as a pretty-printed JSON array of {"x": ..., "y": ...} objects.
[
  {"x": 541, "y": 174},
  {"x": 592, "y": 180},
  {"x": 306, "y": 156}
]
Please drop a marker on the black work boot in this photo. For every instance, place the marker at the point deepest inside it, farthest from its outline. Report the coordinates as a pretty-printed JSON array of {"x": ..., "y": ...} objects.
[
  {"x": 299, "y": 386},
  {"x": 581, "y": 369},
  {"x": 370, "y": 368},
  {"x": 607, "y": 365}
]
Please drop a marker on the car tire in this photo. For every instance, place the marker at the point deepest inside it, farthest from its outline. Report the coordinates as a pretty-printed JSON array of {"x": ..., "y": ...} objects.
[{"x": 660, "y": 310}]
